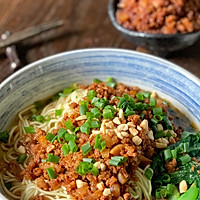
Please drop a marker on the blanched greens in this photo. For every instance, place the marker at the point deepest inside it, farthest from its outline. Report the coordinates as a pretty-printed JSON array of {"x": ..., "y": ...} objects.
[{"x": 186, "y": 153}]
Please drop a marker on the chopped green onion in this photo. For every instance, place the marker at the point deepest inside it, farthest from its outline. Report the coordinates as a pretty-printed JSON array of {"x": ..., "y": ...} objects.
[
  {"x": 89, "y": 160},
  {"x": 91, "y": 94},
  {"x": 146, "y": 94},
  {"x": 157, "y": 117},
  {"x": 29, "y": 130},
  {"x": 65, "y": 149},
  {"x": 167, "y": 154},
  {"x": 69, "y": 125},
  {"x": 158, "y": 193},
  {"x": 142, "y": 115},
  {"x": 95, "y": 124},
  {"x": 174, "y": 153},
  {"x": 49, "y": 137},
  {"x": 108, "y": 114},
  {"x": 96, "y": 112},
  {"x": 140, "y": 96},
  {"x": 154, "y": 120},
  {"x": 51, "y": 173},
  {"x": 86, "y": 148},
  {"x": 96, "y": 80},
  {"x": 44, "y": 160},
  {"x": 111, "y": 82},
  {"x": 4, "y": 136},
  {"x": 85, "y": 128},
  {"x": 166, "y": 178},
  {"x": 58, "y": 112},
  {"x": 83, "y": 109},
  {"x": 21, "y": 159},
  {"x": 38, "y": 104},
  {"x": 185, "y": 159},
  {"x": 99, "y": 143},
  {"x": 169, "y": 189},
  {"x": 117, "y": 160},
  {"x": 129, "y": 111},
  {"x": 167, "y": 122},
  {"x": 89, "y": 115},
  {"x": 148, "y": 173},
  {"x": 152, "y": 103},
  {"x": 99, "y": 103},
  {"x": 157, "y": 111},
  {"x": 72, "y": 146},
  {"x": 159, "y": 134},
  {"x": 67, "y": 91},
  {"x": 8, "y": 185},
  {"x": 68, "y": 137},
  {"x": 61, "y": 132},
  {"x": 52, "y": 158},
  {"x": 85, "y": 168},
  {"x": 186, "y": 147}
]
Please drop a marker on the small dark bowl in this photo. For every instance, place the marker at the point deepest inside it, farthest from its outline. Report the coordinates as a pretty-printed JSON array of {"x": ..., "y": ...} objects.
[{"x": 161, "y": 44}]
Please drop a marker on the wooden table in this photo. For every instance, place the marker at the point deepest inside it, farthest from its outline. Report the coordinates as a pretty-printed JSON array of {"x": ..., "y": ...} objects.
[{"x": 86, "y": 25}]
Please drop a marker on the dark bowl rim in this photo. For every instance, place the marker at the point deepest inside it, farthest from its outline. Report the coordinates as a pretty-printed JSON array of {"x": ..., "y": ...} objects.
[{"x": 111, "y": 14}]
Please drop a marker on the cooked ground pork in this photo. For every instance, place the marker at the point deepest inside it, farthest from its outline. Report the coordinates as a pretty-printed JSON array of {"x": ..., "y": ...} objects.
[
  {"x": 127, "y": 137},
  {"x": 159, "y": 16}
]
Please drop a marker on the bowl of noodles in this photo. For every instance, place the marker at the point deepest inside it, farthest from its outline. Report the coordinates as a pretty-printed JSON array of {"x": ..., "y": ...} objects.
[{"x": 100, "y": 124}]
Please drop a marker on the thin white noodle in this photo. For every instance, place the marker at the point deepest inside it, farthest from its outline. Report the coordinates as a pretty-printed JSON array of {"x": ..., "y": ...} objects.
[{"x": 28, "y": 189}]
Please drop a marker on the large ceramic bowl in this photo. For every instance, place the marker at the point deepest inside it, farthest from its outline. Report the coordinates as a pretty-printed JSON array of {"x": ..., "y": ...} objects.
[{"x": 50, "y": 75}]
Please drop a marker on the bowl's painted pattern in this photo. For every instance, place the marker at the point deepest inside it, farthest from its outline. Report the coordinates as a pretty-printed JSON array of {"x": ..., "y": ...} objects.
[{"x": 50, "y": 75}]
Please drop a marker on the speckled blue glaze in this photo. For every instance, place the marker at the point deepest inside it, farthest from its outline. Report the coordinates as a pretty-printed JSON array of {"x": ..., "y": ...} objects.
[{"x": 45, "y": 77}]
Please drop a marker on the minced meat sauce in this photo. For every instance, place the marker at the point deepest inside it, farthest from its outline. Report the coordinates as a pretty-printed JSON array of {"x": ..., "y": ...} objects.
[{"x": 128, "y": 136}]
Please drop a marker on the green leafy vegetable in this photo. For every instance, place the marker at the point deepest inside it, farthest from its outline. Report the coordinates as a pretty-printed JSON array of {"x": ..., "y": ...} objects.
[{"x": 4, "y": 136}]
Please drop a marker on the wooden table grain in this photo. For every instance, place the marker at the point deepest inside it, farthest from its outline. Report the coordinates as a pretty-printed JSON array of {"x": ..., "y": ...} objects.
[{"x": 86, "y": 25}]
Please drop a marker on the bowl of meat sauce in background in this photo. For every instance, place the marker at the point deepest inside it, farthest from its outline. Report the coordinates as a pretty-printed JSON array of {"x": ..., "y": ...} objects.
[
  {"x": 50, "y": 172},
  {"x": 160, "y": 26}
]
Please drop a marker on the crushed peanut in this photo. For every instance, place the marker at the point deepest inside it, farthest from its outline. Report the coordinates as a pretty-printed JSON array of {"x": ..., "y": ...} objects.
[
  {"x": 124, "y": 134},
  {"x": 116, "y": 120},
  {"x": 106, "y": 192},
  {"x": 144, "y": 125},
  {"x": 121, "y": 114},
  {"x": 102, "y": 167},
  {"x": 131, "y": 124},
  {"x": 80, "y": 183},
  {"x": 81, "y": 118},
  {"x": 161, "y": 145},
  {"x": 109, "y": 124},
  {"x": 50, "y": 148},
  {"x": 153, "y": 94},
  {"x": 183, "y": 186},
  {"x": 100, "y": 186},
  {"x": 137, "y": 140},
  {"x": 133, "y": 131},
  {"x": 122, "y": 127},
  {"x": 150, "y": 135},
  {"x": 97, "y": 164},
  {"x": 21, "y": 149}
]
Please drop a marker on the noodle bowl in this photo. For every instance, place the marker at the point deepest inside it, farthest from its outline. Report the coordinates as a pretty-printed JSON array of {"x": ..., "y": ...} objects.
[{"x": 16, "y": 129}]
